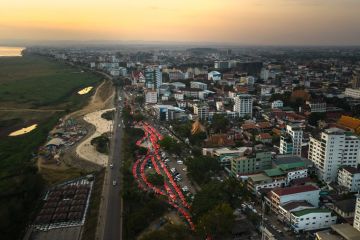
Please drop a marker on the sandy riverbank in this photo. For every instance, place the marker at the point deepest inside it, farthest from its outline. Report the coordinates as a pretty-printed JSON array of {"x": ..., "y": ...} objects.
[{"x": 85, "y": 150}]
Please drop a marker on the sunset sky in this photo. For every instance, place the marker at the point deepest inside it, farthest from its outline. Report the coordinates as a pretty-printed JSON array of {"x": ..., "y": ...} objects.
[{"x": 269, "y": 22}]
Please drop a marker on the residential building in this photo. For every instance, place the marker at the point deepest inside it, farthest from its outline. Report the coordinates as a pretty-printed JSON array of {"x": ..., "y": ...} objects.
[
  {"x": 221, "y": 64},
  {"x": 214, "y": 76},
  {"x": 243, "y": 105},
  {"x": 151, "y": 96},
  {"x": 342, "y": 231},
  {"x": 291, "y": 141},
  {"x": 312, "y": 219},
  {"x": 279, "y": 196},
  {"x": 345, "y": 208},
  {"x": 168, "y": 112},
  {"x": 355, "y": 83},
  {"x": 316, "y": 106},
  {"x": 286, "y": 209},
  {"x": 349, "y": 177},
  {"x": 175, "y": 75},
  {"x": 334, "y": 148},
  {"x": 201, "y": 110},
  {"x": 198, "y": 85},
  {"x": 357, "y": 214},
  {"x": 277, "y": 104},
  {"x": 250, "y": 163},
  {"x": 352, "y": 92},
  {"x": 153, "y": 77}
]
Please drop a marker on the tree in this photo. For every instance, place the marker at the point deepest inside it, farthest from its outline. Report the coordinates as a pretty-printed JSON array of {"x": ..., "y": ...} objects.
[
  {"x": 101, "y": 143},
  {"x": 156, "y": 179},
  {"x": 217, "y": 223},
  {"x": 139, "y": 99},
  {"x": 170, "y": 145},
  {"x": 314, "y": 118},
  {"x": 201, "y": 168},
  {"x": 219, "y": 123},
  {"x": 170, "y": 232}
]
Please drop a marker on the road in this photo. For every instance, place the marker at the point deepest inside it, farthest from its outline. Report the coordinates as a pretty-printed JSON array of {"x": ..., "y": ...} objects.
[{"x": 112, "y": 197}]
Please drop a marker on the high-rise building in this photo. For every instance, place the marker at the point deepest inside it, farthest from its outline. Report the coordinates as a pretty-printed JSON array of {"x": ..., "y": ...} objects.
[
  {"x": 153, "y": 77},
  {"x": 356, "y": 79},
  {"x": 290, "y": 142},
  {"x": 357, "y": 214},
  {"x": 243, "y": 105},
  {"x": 334, "y": 148}
]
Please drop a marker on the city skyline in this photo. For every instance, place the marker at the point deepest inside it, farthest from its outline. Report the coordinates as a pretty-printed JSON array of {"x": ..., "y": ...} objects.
[{"x": 259, "y": 22}]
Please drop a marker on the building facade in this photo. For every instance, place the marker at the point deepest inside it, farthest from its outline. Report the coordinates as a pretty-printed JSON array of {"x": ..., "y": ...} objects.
[
  {"x": 243, "y": 105},
  {"x": 334, "y": 148},
  {"x": 253, "y": 163},
  {"x": 202, "y": 111},
  {"x": 349, "y": 177}
]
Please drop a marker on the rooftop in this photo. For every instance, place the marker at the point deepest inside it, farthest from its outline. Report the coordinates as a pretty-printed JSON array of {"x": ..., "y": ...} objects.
[
  {"x": 347, "y": 231},
  {"x": 259, "y": 177},
  {"x": 294, "y": 190},
  {"x": 273, "y": 172},
  {"x": 347, "y": 205},
  {"x": 294, "y": 204},
  {"x": 310, "y": 210},
  {"x": 351, "y": 170}
]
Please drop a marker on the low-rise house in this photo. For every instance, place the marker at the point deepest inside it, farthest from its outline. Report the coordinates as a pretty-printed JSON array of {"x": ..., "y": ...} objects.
[
  {"x": 345, "y": 208},
  {"x": 312, "y": 219},
  {"x": 279, "y": 196}
]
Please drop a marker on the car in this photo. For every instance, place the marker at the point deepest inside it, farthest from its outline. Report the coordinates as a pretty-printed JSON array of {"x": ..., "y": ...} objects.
[
  {"x": 111, "y": 165},
  {"x": 185, "y": 188},
  {"x": 184, "y": 169},
  {"x": 173, "y": 170},
  {"x": 179, "y": 162},
  {"x": 167, "y": 160},
  {"x": 114, "y": 183}
]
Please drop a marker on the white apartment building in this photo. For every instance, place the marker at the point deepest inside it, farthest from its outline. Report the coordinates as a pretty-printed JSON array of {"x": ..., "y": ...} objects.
[
  {"x": 312, "y": 219},
  {"x": 316, "y": 106},
  {"x": 333, "y": 149},
  {"x": 279, "y": 196},
  {"x": 202, "y": 110},
  {"x": 349, "y": 177},
  {"x": 352, "y": 92},
  {"x": 179, "y": 96},
  {"x": 357, "y": 214},
  {"x": 243, "y": 105},
  {"x": 198, "y": 85},
  {"x": 151, "y": 96},
  {"x": 214, "y": 76},
  {"x": 277, "y": 104},
  {"x": 291, "y": 141}
]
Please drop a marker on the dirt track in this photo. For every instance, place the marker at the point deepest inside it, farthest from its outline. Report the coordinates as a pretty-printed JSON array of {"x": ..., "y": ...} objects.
[{"x": 103, "y": 98}]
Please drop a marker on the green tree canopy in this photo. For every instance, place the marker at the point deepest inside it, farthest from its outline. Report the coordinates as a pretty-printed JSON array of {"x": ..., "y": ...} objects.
[
  {"x": 201, "y": 168},
  {"x": 217, "y": 223}
]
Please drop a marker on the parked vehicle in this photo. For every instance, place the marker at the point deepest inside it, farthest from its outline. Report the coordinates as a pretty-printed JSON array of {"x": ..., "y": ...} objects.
[{"x": 114, "y": 183}]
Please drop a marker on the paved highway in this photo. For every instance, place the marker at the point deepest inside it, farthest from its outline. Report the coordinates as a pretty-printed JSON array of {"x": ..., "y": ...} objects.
[{"x": 113, "y": 208}]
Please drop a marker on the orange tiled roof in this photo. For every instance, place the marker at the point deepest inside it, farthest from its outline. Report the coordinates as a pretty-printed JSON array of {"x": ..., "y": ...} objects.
[{"x": 350, "y": 122}]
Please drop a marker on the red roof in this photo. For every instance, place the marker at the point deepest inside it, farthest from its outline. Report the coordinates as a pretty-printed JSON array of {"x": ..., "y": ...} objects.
[
  {"x": 294, "y": 190},
  {"x": 264, "y": 136}
]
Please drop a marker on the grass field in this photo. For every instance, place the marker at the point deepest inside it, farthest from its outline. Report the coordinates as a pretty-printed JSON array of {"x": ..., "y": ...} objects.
[
  {"x": 35, "y": 81},
  {"x": 38, "y": 83}
]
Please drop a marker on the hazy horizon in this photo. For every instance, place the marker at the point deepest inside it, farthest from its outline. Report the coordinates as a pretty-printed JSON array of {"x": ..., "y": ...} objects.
[{"x": 230, "y": 22}]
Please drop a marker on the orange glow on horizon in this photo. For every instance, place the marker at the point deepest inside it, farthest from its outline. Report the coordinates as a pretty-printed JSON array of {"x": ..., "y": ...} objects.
[{"x": 242, "y": 21}]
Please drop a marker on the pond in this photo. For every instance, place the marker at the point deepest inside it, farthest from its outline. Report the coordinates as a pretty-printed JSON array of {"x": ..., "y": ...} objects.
[
  {"x": 23, "y": 130},
  {"x": 85, "y": 90}
]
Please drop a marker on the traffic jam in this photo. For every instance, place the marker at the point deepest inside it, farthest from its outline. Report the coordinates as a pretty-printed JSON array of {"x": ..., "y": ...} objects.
[{"x": 153, "y": 159}]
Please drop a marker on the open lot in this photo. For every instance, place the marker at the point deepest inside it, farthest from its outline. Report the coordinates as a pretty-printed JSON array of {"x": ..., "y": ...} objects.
[{"x": 34, "y": 81}]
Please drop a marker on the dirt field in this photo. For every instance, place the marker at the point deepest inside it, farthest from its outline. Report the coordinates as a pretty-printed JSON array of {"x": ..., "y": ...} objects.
[{"x": 83, "y": 155}]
